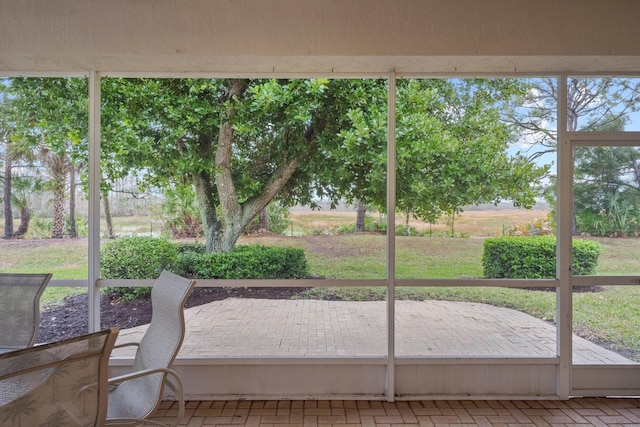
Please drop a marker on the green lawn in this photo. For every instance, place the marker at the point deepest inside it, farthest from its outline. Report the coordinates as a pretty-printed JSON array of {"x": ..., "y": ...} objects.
[{"x": 611, "y": 317}]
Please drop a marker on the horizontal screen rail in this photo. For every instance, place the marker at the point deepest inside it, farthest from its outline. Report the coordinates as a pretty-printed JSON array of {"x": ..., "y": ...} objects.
[{"x": 317, "y": 283}]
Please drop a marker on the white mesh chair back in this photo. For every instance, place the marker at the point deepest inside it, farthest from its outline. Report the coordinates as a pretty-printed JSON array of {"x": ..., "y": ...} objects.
[
  {"x": 64, "y": 383},
  {"x": 138, "y": 397},
  {"x": 20, "y": 309}
]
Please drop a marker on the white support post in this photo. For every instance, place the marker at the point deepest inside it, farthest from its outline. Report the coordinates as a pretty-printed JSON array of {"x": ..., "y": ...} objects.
[
  {"x": 564, "y": 206},
  {"x": 391, "y": 243},
  {"x": 94, "y": 201}
]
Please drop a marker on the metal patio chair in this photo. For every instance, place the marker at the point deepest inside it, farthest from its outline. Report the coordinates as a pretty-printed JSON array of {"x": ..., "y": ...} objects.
[
  {"x": 63, "y": 383},
  {"x": 20, "y": 309},
  {"x": 134, "y": 396}
]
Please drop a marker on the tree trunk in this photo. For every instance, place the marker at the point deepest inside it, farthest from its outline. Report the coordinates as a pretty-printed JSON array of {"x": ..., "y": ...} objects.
[
  {"x": 236, "y": 216},
  {"x": 360, "y": 215},
  {"x": 222, "y": 234},
  {"x": 205, "y": 196},
  {"x": 636, "y": 169},
  {"x": 264, "y": 221},
  {"x": 406, "y": 223},
  {"x": 8, "y": 213},
  {"x": 25, "y": 217},
  {"x": 572, "y": 126},
  {"x": 73, "y": 229},
  {"x": 229, "y": 236},
  {"x": 58, "y": 228},
  {"x": 453, "y": 224},
  {"x": 107, "y": 215}
]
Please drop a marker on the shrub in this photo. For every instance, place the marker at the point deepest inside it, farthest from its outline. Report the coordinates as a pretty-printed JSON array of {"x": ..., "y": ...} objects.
[
  {"x": 244, "y": 262},
  {"x": 617, "y": 218},
  {"x": 82, "y": 226},
  {"x": 401, "y": 230},
  {"x": 277, "y": 220},
  {"x": 370, "y": 226},
  {"x": 191, "y": 247},
  {"x": 535, "y": 257},
  {"x": 179, "y": 212},
  {"x": 539, "y": 227},
  {"x": 585, "y": 255},
  {"x": 135, "y": 258},
  {"x": 185, "y": 226},
  {"x": 346, "y": 228},
  {"x": 146, "y": 257},
  {"x": 608, "y": 224},
  {"x": 40, "y": 228}
]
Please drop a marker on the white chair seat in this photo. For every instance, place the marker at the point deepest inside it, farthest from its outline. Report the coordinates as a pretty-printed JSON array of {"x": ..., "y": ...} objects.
[{"x": 134, "y": 396}]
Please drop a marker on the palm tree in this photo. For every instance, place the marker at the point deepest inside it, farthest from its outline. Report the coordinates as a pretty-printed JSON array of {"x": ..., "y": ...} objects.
[
  {"x": 56, "y": 167},
  {"x": 50, "y": 115},
  {"x": 5, "y": 134},
  {"x": 6, "y": 198},
  {"x": 23, "y": 187}
]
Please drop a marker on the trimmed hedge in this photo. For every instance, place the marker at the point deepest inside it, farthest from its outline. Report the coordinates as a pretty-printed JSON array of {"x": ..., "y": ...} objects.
[
  {"x": 244, "y": 262},
  {"x": 146, "y": 257},
  {"x": 136, "y": 257},
  {"x": 535, "y": 257}
]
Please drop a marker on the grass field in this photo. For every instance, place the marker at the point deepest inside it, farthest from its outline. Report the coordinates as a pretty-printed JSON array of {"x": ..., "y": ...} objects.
[
  {"x": 487, "y": 222},
  {"x": 611, "y": 317}
]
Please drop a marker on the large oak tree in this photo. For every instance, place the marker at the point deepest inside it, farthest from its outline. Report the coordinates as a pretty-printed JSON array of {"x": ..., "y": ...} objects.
[{"x": 240, "y": 143}]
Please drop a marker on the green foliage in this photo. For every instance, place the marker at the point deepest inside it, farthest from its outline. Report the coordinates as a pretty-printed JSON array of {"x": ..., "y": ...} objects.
[
  {"x": 277, "y": 220},
  {"x": 401, "y": 230},
  {"x": 535, "y": 257},
  {"x": 299, "y": 140},
  {"x": 82, "y": 226},
  {"x": 40, "y": 228},
  {"x": 55, "y": 107},
  {"x": 451, "y": 148},
  {"x": 378, "y": 226},
  {"x": 136, "y": 258},
  {"x": 585, "y": 255},
  {"x": 458, "y": 156},
  {"x": 277, "y": 133},
  {"x": 539, "y": 227},
  {"x": 244, "y": 262},
  {"x": 371, "y": 225},
  {"x": 179, "y": 212},
  {"x": 619, "y": 219},
  {"x": 606, "y": 193},
  {"x": 196, "y": 247}
]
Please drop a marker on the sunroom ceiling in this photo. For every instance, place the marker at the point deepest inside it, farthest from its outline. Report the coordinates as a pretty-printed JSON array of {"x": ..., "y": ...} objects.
[{"x": 319, "y": 37}]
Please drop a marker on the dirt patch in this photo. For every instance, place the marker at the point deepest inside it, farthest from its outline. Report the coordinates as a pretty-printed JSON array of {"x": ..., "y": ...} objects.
[{"x": 70, "y": 318}]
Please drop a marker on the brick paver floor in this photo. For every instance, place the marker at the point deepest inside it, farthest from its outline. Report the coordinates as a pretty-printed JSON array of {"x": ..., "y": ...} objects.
[
  {"x": 344, "y": 413},
  {"x": 237, "y": 327},
  {"x": 259, "y": 327}
]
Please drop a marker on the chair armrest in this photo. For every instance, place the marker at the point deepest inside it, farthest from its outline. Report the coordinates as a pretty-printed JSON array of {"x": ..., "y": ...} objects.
[
  {"x": 127, "y": 344},
  {"x": 176, "y": 387}
]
